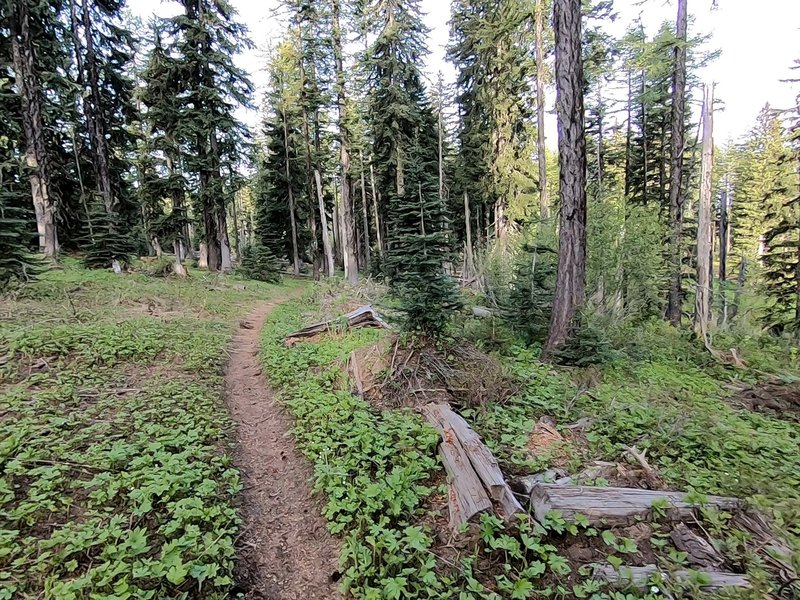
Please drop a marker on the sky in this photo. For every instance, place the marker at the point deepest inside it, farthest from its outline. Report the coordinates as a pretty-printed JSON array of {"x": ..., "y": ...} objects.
[{"x": 759, "y": 40}]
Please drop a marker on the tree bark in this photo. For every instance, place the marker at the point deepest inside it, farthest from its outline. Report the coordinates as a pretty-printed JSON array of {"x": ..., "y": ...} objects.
[
  {"x": 93, "y": 106},
  {"x": 348, "y": 214},
  {"x": 702, "y": 312},
  {"x": 292, "y": 215},
  {"x": 544, "y": 201},
  {"x": 365, "y": 215},
  {"x": 469, "y": 259},
  {"x": 571, "y": 277},
  {"x": 674, "y": 301},
  {"x": 36, "y": 157},
  {"x": 375, "y": 210},
  {"x": 723, "y": 256}
]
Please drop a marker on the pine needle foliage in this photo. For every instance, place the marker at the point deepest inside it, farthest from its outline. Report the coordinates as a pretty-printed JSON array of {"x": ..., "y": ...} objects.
[
  {"x": 529, "y": 301},
  {"x": 109, "y": 241},
  {"x": 258, "y": 262},
  {"x": 406, "y": 155}
]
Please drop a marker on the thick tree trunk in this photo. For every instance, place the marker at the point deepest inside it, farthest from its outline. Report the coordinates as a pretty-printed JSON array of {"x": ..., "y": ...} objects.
[
  {"x": 702, "y": 311},
  {"x": 544, "y": 201},
  {"x": 674, "y": 301},
  {"x": 571, "y": 278},
  {"x": 36, "y": 157},
  {"x": 348, "y": 214}
]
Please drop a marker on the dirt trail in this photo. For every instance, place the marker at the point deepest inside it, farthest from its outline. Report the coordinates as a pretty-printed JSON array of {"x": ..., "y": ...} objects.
[{"x": 285, "y": 551}]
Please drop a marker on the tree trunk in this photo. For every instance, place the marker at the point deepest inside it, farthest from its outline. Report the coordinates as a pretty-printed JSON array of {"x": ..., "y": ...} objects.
[
  {"x": 675, "y": 298},
  {"x": 628, "y": 136},
  {"x": 348, "y": 214},
  {"x": 377, "y": 214},
  {"x": 544, "y": 201},
  {"x": 36, "y": 157},
  {"x": 571, "y": 278},
  {"x": 292, "y": 215},
  {"x": 469, "y": 259},
  {"x": 723, "y": 256},
  {"x": 93, "y": 106},
  {"x": 702, "y": 312},
  {"x": 330, "y": 268},
  {"x": 365, "y": 215}
]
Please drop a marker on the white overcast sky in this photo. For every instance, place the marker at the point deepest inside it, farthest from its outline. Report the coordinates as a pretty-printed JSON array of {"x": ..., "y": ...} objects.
[{"x": 759, "y": 40}]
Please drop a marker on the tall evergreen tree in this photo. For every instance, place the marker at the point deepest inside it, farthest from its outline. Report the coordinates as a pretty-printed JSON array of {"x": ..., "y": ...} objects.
[
  {"x": 406, "y": 159},
  {"x": 204, "y": 40},
  {"x": 571, "y": 273},
  {"x": 490, "y": 44}
]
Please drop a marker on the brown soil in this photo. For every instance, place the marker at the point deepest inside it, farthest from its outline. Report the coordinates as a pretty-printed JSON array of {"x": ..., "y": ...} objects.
[
  {"x": 285, "y": 551},
  {"x": 781, "y": 400}
]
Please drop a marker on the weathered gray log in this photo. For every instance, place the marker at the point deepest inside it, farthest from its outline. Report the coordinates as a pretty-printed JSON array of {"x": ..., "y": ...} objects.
[
  {"x": 364, "y": 316},
  {"x": 611, "y": 505},
  {"x": 640, "y": 577},
  {"x": 466, "y": 497},
  {"x": 483, "y": 461}
]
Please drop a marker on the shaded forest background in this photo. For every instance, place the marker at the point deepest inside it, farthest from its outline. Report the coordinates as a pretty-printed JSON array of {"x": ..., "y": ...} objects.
[{"x": 120, "y": 138}]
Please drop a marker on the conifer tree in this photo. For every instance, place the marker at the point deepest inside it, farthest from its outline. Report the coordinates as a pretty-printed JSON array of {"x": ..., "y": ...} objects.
[
  {"x": 16, "y": 231},
  {"x": 406, "y": 159},
  {"x": 33, "y": 40},
  {"x": 781, "y": 258},
  {"x": 490, "y": 44},
  {"x": 203, "y": 41}
]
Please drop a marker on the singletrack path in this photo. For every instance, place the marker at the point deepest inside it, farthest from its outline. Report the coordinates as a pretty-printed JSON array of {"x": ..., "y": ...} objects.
[{"x": 285, "y": 551}]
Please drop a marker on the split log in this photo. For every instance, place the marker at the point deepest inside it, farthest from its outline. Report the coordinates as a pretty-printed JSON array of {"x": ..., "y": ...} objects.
[
  {"x": 615, "y": 506},
  {"x": 466, "y": 497},
  {"x": 364, "y": 316},
  {"x": 699, "y": 551},
  {"x": 640, "y": 577},
  {"x": 482, "y": 464}
]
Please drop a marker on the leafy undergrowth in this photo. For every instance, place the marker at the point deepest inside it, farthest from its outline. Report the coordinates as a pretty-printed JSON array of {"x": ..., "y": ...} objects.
[
  {"x": 666, "y": 397},
  {"x": 383, "y": 485},
  {"x": 116, "y": 478}
]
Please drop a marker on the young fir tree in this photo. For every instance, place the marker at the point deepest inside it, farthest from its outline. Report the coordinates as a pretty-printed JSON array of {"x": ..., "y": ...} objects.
[
  {"x": 406, "y": 161},
  {"x": 109, "y": 245}
]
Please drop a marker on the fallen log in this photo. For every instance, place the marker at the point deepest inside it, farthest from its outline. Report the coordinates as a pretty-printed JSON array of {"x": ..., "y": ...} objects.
[
  {"x": 363, "y": 316},
  {"x": 480, "y": 469},
  {"x": 616, "y": 506},
  {"x": 466, "y": 496},
  {"x": 640, "y": 577}
]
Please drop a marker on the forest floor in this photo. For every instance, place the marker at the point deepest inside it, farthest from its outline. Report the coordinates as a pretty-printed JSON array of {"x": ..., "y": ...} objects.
[
  {"x": 124, "y": 473},
  {"x": 116, "y": 476}
]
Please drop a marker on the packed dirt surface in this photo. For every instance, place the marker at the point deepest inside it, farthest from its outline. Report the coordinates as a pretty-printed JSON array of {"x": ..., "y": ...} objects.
[{"x": 285, "y": 551}]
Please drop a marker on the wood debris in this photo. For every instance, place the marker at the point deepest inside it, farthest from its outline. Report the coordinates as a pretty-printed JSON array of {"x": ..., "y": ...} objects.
[
  {"x": 640, "y": 577},
  {"x": 700, "y": 551},
  {"x": 363, "y": 316},
  {"x": 472, "y": 470},
  {"x": 617, "y": 506}
]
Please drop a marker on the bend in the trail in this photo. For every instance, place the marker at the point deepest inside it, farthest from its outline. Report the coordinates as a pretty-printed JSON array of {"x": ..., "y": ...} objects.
[{"x": 285, "y": 550}]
